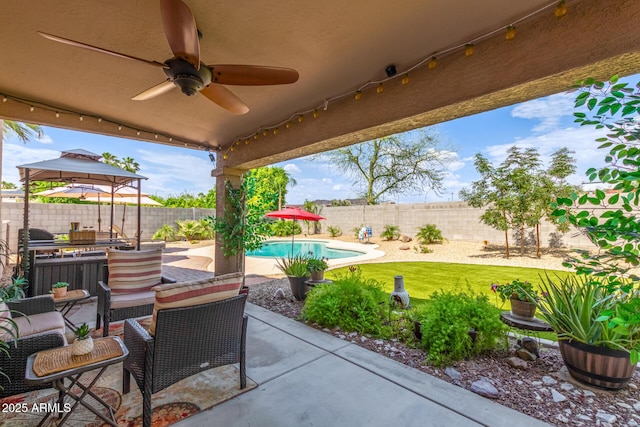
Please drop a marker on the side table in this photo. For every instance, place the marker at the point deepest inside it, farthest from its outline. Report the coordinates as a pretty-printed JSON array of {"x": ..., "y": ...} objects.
[
  {"x": 57, "y": 364},
  {"x": 68, "y": 302},
  {"x": 534, "y": 325}
]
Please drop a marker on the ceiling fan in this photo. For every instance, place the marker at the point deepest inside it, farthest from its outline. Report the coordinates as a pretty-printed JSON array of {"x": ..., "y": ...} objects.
[{"x": 186, "y": 71}]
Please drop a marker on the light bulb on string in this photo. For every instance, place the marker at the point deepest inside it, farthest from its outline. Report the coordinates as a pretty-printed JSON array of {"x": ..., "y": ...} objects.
[
  {"x": 81, "y": 118},
  {"x": 405, "y": 79},
  {"x": 226, "y": 156},
  {"x": 300, "y": 118},
  {"x": 99, "y": 119},
  {"x": 358, "y": 95},
  {"x": 4, "y": 99},
  {"x": 265, "y": 132},
  {"x": 561, "y": 9},
  {"x": 119, "y": 127},
  {"x": 57, "y": 115},
  {"x": 380, "y": 88},
  {"x": 432, "y": 63},
  {"x": 288, "y": 125},
  {"x": 138, "y": 133},
  {"x": 511, "y": 33},
  {"x": 255, "y": 137},
  {"x": 170, "y": 139},
  {"x": 468, "y": 49},
  {"x": 32, "y": 108},
  {"x": 316, "y": 114},
  {"x": 276, "y": 131}
]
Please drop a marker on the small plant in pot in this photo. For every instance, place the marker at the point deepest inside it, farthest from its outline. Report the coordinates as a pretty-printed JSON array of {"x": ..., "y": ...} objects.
[
  {"x": 296, "y": 269},
  {"x": 83, "y": 343},
  {"x": 521, "y": 295},
  {"x": 317, "y": 267},
  {"x": 59, "y": 289}
]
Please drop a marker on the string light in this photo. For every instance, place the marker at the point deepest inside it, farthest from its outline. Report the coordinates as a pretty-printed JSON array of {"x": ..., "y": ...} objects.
[
  {"x": 99, "y": 119},
  {"x": 255, "y": 137},
  {"x": 561, "y": 9},
  {"x": 358, "y": 95},
  {"x": 288, "y": 125},
  {"x": 316, "y": 114},
  {"x": 57, "y": 115},
  {"x": 138, "y": 133},
  {"x": 380, "y": 88},
  {"x": 4, "y": 99},
  {"x": 32, "y": 108},
  {"x": 300, "y": 118},
  {"x": 405, "y": 79},
  {"x": 511, "y": 33},
  {"x": 226, "y": 156},
  {"x": 265, "y": 132},
  {"x": 276, "y": 131},
  {"x": 81, "y": 118},
  {"x": 468, "y": 49},
  {"x": 119, "y": 127},
  {"x": 432, "y": 63}
]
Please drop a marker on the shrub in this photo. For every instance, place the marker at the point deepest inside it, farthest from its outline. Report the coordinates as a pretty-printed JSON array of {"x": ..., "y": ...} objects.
[
  {"x": 390, "y": 232},
  {"x": 166, "y": 233},
  {"x": 285, "y": 228},
  {"x": 350, "y": 302},
  {"x": 448, "y": 317},
  {"x": 429, "y": 234},
  {"x": 334, "y": 231},
  {"x": 194, "y": 230}
]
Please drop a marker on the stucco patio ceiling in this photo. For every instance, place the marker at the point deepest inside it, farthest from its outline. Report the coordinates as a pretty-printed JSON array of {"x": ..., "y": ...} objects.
[{"x": 336, "y": 46}]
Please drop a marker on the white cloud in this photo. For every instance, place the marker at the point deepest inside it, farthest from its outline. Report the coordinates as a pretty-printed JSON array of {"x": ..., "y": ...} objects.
[
  {"x": 549, "y": 111},
  {"x": 337, "y": 187},
  {"x": 20, "y": 154},
  {"x": 45, "y": 139},
  {"x": 291, "y": 168},
  {"x": 326, "y": 180}
]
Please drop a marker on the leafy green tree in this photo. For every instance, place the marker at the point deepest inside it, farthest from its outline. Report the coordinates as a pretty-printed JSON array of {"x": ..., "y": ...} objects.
[
  {"x": 269, "y": 181},
  {"x": 610, "y": 221},
  {"x": 390, "y": 232},
  {"x": 8, "y": 185},
  {"x": 397, "y": 164},
  {"x": 187, "y": 200},
  {"x": 518, "y": 192},
  {"x": 314, "y": 208},
  {"x": 127, "y": 163}
]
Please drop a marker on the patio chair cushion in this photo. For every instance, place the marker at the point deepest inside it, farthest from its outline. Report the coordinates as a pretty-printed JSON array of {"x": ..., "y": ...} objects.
[
  {"x": 5, "y": 316},
  {"x": 134, "y": 271},
  {"x": 34, "y": 324},
  {"x": 132, "y": 300},
  {"x": 186, "y": 294}
]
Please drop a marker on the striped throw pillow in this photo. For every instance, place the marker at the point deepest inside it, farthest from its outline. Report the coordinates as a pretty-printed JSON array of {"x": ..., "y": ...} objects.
[
  {"x": 186, "y": 294},
  {"x": 134, "y": 271}
]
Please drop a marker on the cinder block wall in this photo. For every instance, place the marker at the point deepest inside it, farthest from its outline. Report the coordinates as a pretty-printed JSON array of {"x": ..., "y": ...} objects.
[
  {"x": 456, "y": 220},
  {"x": 57, "y": 218}
]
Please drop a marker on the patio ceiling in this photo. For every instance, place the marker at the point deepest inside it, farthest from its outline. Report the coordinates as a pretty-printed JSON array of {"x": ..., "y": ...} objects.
[{"x": 337, "y": 47}]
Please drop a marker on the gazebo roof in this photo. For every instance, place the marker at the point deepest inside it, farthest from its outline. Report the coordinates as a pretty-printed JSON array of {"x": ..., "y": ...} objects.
[{"x": 78, "y": 166}]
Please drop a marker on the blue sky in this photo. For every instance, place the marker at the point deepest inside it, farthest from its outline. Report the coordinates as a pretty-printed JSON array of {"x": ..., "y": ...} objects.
[{"x": 545, "y": 123}]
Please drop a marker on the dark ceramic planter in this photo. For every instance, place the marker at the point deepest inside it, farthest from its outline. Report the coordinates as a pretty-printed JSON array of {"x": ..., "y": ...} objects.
[
  {"x": 298, "y": 288},
  {"x": 598, "y": 366}
]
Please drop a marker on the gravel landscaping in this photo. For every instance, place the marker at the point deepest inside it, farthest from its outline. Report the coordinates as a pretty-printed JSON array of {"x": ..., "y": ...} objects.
[{"x": 541, "y": 388}]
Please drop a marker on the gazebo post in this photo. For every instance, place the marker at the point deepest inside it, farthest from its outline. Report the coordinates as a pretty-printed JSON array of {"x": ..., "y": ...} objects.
[
  {"x": 25, "y": 229},
  {"x": 139, "y": 215}
]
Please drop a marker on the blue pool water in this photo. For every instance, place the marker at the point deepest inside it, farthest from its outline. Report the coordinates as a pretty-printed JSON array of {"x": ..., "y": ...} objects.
[{"x": 319, "y": 249}]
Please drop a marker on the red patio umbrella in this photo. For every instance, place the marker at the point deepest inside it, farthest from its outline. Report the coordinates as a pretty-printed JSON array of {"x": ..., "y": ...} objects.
[{"x": 294, "y": 214}]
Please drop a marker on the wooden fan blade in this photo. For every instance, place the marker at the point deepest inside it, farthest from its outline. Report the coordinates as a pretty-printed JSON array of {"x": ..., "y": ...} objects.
[
  {"x": 99, "y": 49},
  {"x": 152, "y": 92},
  {"x": 180, "y": 29},
  {"x": 225, "y": 98},
  {"x": 252, "y": 75}
]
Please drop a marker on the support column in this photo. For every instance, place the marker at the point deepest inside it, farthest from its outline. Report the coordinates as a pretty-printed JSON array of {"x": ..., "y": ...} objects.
[{"x": 234, "y": 263}]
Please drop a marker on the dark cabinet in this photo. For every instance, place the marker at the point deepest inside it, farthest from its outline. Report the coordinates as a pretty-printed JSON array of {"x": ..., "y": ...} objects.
[{"x": 81, "y": 273}]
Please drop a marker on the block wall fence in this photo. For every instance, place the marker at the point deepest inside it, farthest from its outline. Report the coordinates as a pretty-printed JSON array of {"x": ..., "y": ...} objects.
[
  {"x": 456, "y": 220},
  {"x": 56, "y": 218}
]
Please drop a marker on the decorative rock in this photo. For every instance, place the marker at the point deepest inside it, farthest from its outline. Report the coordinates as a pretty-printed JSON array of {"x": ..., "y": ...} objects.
[
  {"x": 562, "y": 418},
  {"x": 453, "y": 374},
  {"x": 404, "y": 247},
  {"x": 518, "y": 363},
  {"x": 341, "y": 336},
  {"x": 378, "y": 342},
  {"x": 484, "y": 388},
  {"x": 525, "y": 354},
  {"x": 353, "y": 334},
  {"x": 623, "y": 405},
  {"x": 363, "y": 339},
  {"x": 529, "y": 344},
  {"x": 536, "y": 383},
  {"x": 632, "y": 386},
  {"x": 632, "y": 423},
  {"x": 547, "y": 380},
  {"x": 588, "y": 393},
  {"x": 557, "y": 397},
  {"x": 584, "y": 417},
  {"x": 607, "y": 418},
  {"x": 636, "y": 406},
  {"x": 566, "y": 386},
  {"x": 279, "y": 294},
  {"x": 405, "y": 239}
]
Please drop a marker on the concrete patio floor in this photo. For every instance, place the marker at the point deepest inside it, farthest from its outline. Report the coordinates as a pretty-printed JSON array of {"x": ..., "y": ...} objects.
[{"x": 308, "y": 378}]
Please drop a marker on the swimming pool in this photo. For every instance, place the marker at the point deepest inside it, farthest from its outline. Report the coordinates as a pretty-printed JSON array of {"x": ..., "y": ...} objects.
[{"x": 319, "y": 249}]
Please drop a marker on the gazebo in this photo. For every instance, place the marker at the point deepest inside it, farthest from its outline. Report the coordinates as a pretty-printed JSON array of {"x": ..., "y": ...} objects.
[{"x": 75, "y": 166}]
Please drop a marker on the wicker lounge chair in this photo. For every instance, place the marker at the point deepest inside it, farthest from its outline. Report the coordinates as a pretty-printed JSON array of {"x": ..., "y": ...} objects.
[
  {"x": 187, "y": 340},
  {"x": 42, "y": 328}
]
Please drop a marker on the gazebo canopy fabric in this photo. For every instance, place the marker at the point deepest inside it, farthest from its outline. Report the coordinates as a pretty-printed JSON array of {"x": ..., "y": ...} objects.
[{"x": 78, "y": 166}]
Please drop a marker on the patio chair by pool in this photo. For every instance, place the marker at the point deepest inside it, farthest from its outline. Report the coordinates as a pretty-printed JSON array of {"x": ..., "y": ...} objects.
[{"x": 186, "y": 341}]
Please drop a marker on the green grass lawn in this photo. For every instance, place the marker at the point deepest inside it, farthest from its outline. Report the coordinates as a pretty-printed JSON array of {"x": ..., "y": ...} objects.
[{"x": 421, "y": 279}]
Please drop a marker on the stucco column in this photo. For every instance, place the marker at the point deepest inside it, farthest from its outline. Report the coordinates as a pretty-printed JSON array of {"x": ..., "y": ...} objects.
[{"x": 234, "y": 263}]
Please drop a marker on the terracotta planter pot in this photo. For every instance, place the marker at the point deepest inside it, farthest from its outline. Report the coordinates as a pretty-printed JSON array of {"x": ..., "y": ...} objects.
[
  {"x": 298, "y": 288},
  {"x": 598, "y": 366},
  {"x": 317, "y": 276},
  {"x": 59, "y": 292},
  {"x": 523, "y": 309}
]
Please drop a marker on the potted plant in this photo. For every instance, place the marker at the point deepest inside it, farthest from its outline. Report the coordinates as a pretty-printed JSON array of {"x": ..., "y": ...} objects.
[
  {"x": 521, "y": 295},
  {"x": 83, "y": 343},
  {"x": 296, "y": 269},
  {"x": 598, "y": 328},
  {"x": 317, "y": 267},
  {"x": 59, "y": 289}
]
